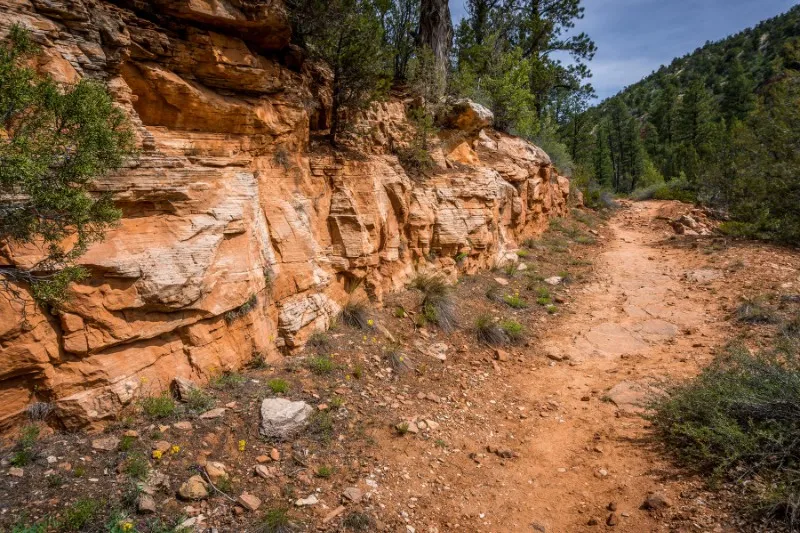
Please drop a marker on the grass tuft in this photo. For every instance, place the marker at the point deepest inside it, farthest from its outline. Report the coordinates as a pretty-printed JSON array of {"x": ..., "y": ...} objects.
[
  {"x": 489, "y": 332},
  {"x": 355, "y": 314},
  {"x": 755, "y": 311},
  {"x": 276, "y": 520},
  {"x": 438, "y": 306},
  {"x": 161, "y": 406},
  {"x": 25, "y": 448},
  {"x": 321, "y": 365},
  {"x": 278, "y": 386}
]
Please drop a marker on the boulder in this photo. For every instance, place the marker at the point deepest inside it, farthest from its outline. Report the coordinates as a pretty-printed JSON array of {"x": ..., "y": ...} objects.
[
  {"x": 194, "y": 488},
  {"x": 183, "y": 388},
  {"x": 281, "y": 418},
  {"x": 466, "y": 115}
]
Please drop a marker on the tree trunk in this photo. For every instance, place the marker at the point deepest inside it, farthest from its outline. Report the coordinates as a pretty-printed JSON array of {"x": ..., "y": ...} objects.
[{"x": 436, "y": 32}]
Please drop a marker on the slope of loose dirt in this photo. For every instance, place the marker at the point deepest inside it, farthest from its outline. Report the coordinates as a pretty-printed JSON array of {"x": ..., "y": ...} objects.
[{"x": 541, "y": 437}]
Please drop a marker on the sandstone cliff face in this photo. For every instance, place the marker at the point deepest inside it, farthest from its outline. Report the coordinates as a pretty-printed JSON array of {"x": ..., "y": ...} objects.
[{"x": 239, "y": 234}]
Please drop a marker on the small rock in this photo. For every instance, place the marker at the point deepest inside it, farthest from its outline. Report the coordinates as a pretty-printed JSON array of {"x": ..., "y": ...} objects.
[
  {"x": 162, "y": 446},
  {"x": 262, "y": 458},
  {"x": 612, "y": 520},
  {"x": 353, "y": 494},
  {"x": 432, "y": 425},
  {"x": 333, "y": 514},
  {"x": 106, "y": 444},
  {"x": 183, "y": 426},
  {"x": 311, "y": 500},
  {"x": 183, "y": 388},
  {"x": 555, "y": 357},
  {"x": 15, "y": 472},
  {"x": 501, "y": 281},
  {"x": 612, "y": 506},
  {"x": 263, "y": 471},
  {"x": 656, "y": 502},
  {"x": 501, "y": 355},
  {"x": 248, "y": 501},
  {"x": 231, "y": 405},
  {"x": 216, "y": 472},
  {"x": 193, "y": 489},
  {"x": 601, "y": 473},
  {"x": 274, "y": 454},
  {"x": 593, "y": 522},
  {"x": 52, "y": 459},
  {"x": 146, "y": 504},
  {"x": 555, "y": 280},
  {"x": 131, "y": 434},
  {"x": 213, "y": 413},
  {"x": 522, "y": 266}
]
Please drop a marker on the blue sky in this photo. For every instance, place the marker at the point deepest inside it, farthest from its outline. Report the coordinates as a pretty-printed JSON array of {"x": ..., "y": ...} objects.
[{"x": 635, "y": 37}]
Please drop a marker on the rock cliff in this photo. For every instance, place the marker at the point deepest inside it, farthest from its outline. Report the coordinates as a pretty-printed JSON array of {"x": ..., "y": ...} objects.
[{"x": 240, "y": 232}]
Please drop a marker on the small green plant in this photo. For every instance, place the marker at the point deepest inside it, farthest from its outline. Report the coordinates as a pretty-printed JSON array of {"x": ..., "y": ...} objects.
[
  {"x": 80, "y": 514},
  {"x": 228, "y": 380},
  {"x": 337, "y": 402},
  {"x": 276, "y": 520},
  {"x": 543, "y": 296},
  {"x": 137, "y": 467},
  {"x": 461, "y": 257},
  {"x": 126, "y": 443},
  {"x": 79, "y": 471},
  {"x": 199, "y": 401},
  {"x": 523, "y": 253},
  {"x": 551, "y": 309},
  {"x": 319, "y": 340},
  {"x": 258, "y": 361},
  {"x": 324, "y": 472},
  {"x": 321, "y": 365},
  {"x": 440, "y": 443},
  {"x": 55, "y": 480},
  {"x": 358, "y": 521},
  {"x": 25, "y": 446},
  {"x": 358, "y": 371},
  {"x": 515, "y": 301},
  {"x": 488, "y": 331},
  {"x": 399, "y": 312},
  {"x": 756, "y": 311},
  {"x": 438, "y": 306},
  {"x": 402, "y": 428},
  {"x": 355, "y": 314},
  {"x": 242, "y": 310},
  {"x": 161, "y": 406},
  {"x": 321, "y": 426},
  {"x": 278, "y": 386},
  {"x": 513, "y": 330},
  {"x": 224, "y": 484},
  {"x": 510, "y": 269}
]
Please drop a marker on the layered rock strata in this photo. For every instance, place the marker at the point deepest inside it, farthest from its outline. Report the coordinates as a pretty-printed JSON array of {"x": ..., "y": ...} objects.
[{"x": 240, "y": 233}]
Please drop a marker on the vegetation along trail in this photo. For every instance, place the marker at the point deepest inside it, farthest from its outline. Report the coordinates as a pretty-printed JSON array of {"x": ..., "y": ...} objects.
[{"x": 583, "y": 456}]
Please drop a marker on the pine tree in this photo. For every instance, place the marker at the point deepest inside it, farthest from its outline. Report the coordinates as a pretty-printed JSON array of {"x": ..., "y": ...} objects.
[{"x": 738, "y": 99}]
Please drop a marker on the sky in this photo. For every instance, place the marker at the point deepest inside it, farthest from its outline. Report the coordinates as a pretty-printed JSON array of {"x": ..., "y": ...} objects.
[{"x": 636, "y": 37}]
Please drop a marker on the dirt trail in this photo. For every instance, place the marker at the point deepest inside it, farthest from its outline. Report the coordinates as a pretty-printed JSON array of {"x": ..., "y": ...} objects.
[
  {"x": 638, "y": 323},
  {"x": 574, "y": 418}
]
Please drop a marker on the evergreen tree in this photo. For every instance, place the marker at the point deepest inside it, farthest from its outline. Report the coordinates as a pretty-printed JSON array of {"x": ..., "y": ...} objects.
[
  {"x": 54, "y": 141},
  {"x": 737, "y": 99}
]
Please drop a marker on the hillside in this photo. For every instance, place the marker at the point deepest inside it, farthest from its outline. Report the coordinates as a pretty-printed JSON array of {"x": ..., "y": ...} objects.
[{"x": 757, "y": 50}]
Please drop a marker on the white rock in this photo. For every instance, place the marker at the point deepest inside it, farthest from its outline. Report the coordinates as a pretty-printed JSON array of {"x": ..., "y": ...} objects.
[
  {"x": 555, "y": 280},
  {"x": 281, "y": 418},
  {"x": 311, "y": 500}
]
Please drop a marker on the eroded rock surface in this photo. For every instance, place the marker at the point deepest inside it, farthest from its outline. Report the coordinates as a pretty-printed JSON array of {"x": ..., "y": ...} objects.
[{"x": 239, "y": 234}]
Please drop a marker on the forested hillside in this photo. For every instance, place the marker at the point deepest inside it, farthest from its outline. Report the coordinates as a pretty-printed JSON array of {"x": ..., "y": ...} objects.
[{"x": 720, "y": 125}]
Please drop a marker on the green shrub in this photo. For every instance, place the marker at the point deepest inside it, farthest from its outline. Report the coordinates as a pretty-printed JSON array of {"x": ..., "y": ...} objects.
[
  {"x": 278, "y": 386},
  {"x": 756, "y": 311},
  {"x": 321, "y": 365},
  {"x": 739, "y": 420},
  {"x": 276, "y": 520},
  {"x": 324, "y": 472},
  {"x": 228, "y": 380},
  {"x": 242, "y": 310},
  {"x": 161, "y": 406},
  {"x": 320, "y": 426},
  {"x": 515, "y": 301},
  {"x": 137, "y": 467},
  {"x": 513, "y": 330},
  {"x": 199, "y": 401},
  {"x": 25, "y": 448},
  {"x": 80, "y": 514}
]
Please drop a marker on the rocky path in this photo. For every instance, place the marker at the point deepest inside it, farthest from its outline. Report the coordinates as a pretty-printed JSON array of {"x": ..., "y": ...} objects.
[
  {"x": 643, "y": 321},
  {"x": 585, "y": 459}
]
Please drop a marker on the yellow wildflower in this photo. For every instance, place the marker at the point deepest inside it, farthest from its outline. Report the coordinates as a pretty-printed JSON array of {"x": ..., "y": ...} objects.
[
  {"x": 126, "y": 526},
  {"x": 370, "y": 322},
  {"x": 175, "y": 449},
  {"x": 157, "y": 454},
  {"x": 242, "y": 445}
]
